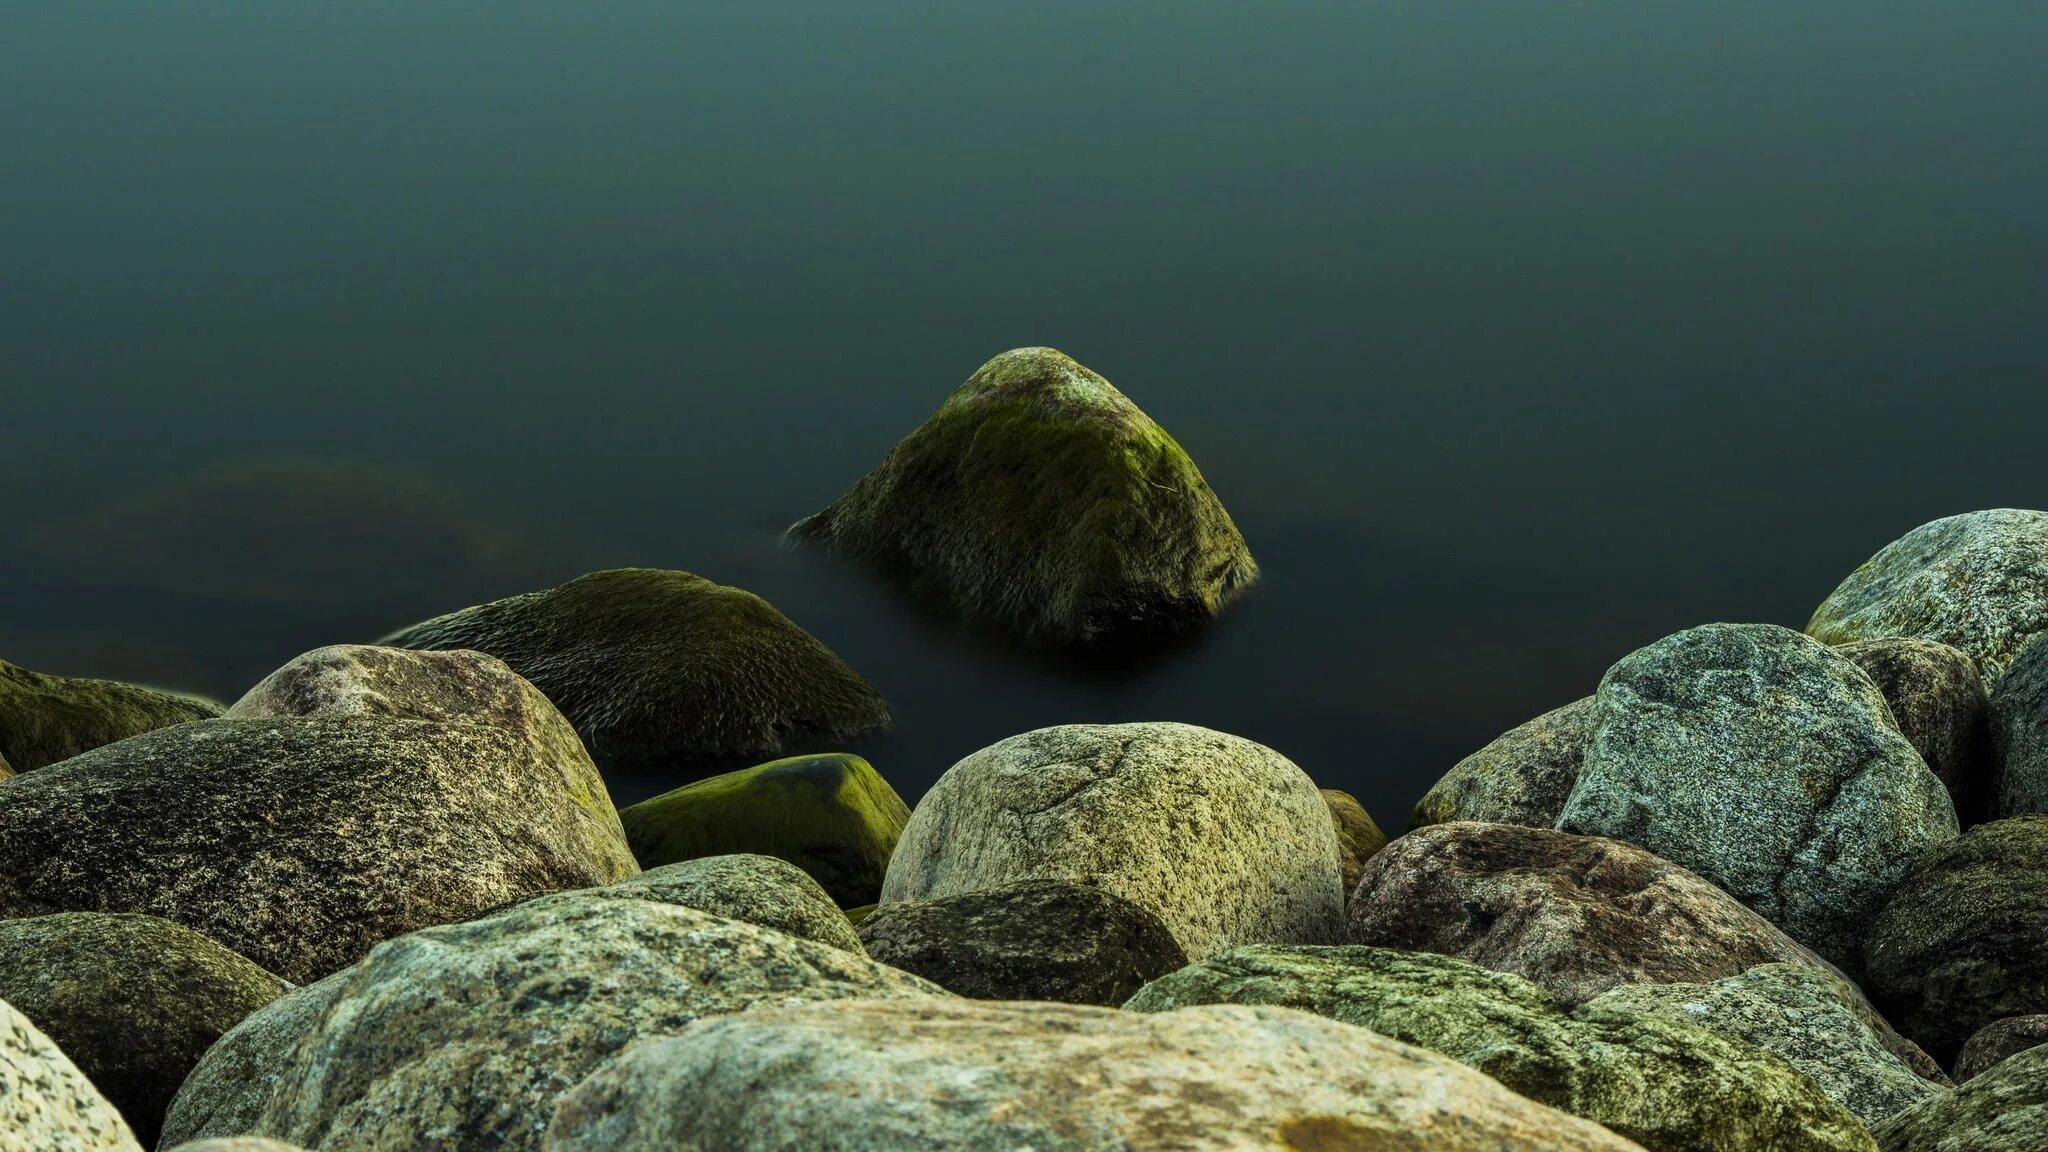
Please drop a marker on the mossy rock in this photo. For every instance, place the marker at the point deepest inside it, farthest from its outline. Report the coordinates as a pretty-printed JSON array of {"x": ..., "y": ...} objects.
[
  {"x": 832, "y": 816},
  {"x": 46, "y": 718},
  {"x": 227, "y": 1091},
  {"x": 2005, "y": 1109},
  {"x": 1358, "y": 837},
  {"x": 748, "y": 887},
  {"x": 1523, "y": 777},
  {"x": 1042, "y": 502},
  {"x": 667, "y": 670},
  {"x": 1999, "y": 1041}
]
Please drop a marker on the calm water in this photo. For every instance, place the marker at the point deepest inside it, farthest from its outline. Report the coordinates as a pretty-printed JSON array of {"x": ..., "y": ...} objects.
[{"x": 1514, "y": 335}]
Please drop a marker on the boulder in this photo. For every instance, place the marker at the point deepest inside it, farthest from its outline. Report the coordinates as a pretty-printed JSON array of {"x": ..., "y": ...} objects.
[
  {"x": 460, "y": 1038},
  {"x": 238, "y": 1144},
  {"x": 757, "y": 889},
  {"x": 979, "y": 1076},
  {"x": 227, "y": 1091},
  {"x": 1035, "y": 940},
  {"x": 300, "y": 842},
  {"x": 1670, "y": 1087},
  {"x": 1978, "y": 582},
  {"x": 1523, "y": 777},
  {"x": 46, "y": 1102},
  {"x": 1224, "y": 840},
  {"x": 1998, "y": 1041},
  {"x": 1937, "y": 698},
  {"x": 665, "y": 671},
  {"x": 46, "y": 718},
  {"x": 134, "y": 1001},
  {"x": 1814, "y": 1020},
  {"x": 1575, "y": 915},
  {"x": 1358, "y": 837},
  {"x": 831, "y": 815},
  {"x": 2003, "y": 1110},
  {"x": 2020, "y": 736},
  {"x": 1964, "y": 939},
  {"x": 1040, "y": 501},
  {"x": 1769, "y": 765}
]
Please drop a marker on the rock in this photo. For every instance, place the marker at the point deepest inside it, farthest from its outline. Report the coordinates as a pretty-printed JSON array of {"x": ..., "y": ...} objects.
[
  {"x": 1998, "y": 1041},
  {"x": 2003, "y": 1110},
  {"x": 1357, "y": 836},
  {"x": 757, "y": 889},
  {"x": 300, "y": 842},
  {"x": 1813, "y": 1020},
  {"x": 1669, "y": 1087},
  {"x": 978, "y": 1076},
  {"x": 832, "y": 816},
  {"x": 461, "y": 1037},
  {"x": 46, "y": 1102},
  {"x": 1036, "y": 940},
  {"x": 1964, "y": 939},
  {"x": 1224, "y": 840},
  {"x": 45, "y": 718},
  {"x": 1769, "y": 765},
  {"x": 1576, "y": 915},
  {"x": 134, "y": 1001},
  {"x": 1041, "y": 501},
  {"x": 227, "y": 1091},
  {"x": 2019, "y": 709},
  {"x": 1523, "y": 777},
  {"x": 1937, "y": 698},
  {"x": 238, "y": 1144},
  {"x": 1978, "y": 582},
  {"x": 858, "y": 914}
]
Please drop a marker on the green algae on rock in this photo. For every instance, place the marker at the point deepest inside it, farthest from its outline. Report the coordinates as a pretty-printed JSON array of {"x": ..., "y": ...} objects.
[
  {"x": 1937, "y": 698},
  {"x": 831, "y": 815},
  {"x": 134, "y": 1001},
  {"x": 46, "y": 1103},
  {"x": 1039, "y": 500},
  {"x": 2003, "y": 1110},
  {"x": 1523, "y": 777},
  {"x": 1358, "y": 836},
  {"x": 666, "y": 670},
  {"x": 46, "y": 718},
  {"x": 1670, "y": 1087}
]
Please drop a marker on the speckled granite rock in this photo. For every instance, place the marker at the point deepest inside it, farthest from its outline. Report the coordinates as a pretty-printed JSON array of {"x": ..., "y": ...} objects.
[
  {"x": 977, "y": 1076},
  {"x": 227, "y": 1091},
  {"x": 2003, "y": 1110},
  {"x": 1670, "y": 1087},
  {"x": 666, "y": 671},
  {"x": 1358, "y": 836},
  {"x": 1224, "y": 840},
  {"x": 1040, "y": 500},
  {"x": 1937, "y": 698},
  {"x": 1998, "y": 1041},
  {"x": 1769, "y": 765},
  {"x": 1523, "y": 777},
  {"x": 1576, "y": 915},
  {"x": 238, "y": 1144},
  {"x": 757, "y": 889},
  {"x": 300, "y": 842},
  {"x": 1978, "y": 581},
  {"x": 2019, "y": 710},
  {"x": 46, "y": 718},
  {"x": 46, "y": 1103},
  {"x": 1036, "y": 940},
  {"x": 1812, "y": 1019},
  {"x": 134, "y": 1001}
]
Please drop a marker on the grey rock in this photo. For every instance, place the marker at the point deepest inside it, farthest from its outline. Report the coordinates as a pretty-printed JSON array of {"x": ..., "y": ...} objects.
[
  {"x": 1937, "y": 698},
  {"x": 1769, "y": 765},
  {"x": 2003, "y": 1110},
  {"x": 227, "y": 1091},
  {"x": 46, "y": 1103},
  {"x": 46, "y": 718},
  {"x": 1224, "y": 840},
  {"x": 1523, "y": 777},
  {"x": 1998, "y": 1041},
  {"x": 757, "y": 889},
  {"x": 2019, "y": 711}
]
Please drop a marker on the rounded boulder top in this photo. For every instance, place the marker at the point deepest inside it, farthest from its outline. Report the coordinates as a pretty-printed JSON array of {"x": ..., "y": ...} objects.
[{"x": 1041, "y": 501}]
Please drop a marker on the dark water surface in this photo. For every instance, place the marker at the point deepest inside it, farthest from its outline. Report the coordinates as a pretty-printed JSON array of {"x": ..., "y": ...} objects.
[{"x": 1514, "y": 335}]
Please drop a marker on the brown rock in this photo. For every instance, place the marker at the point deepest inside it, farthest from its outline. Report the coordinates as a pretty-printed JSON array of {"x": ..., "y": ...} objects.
[{"x": 1937, "y": 697}]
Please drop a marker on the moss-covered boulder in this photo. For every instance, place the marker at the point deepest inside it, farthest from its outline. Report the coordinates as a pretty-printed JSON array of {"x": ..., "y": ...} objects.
[
  {"x": 134, "y": 1001},
  {"x": 1523, "y": 777},
  {"x": 46, "y": 1103},
  {"x": 831, "y": 815},
  {"x": 664, "y": 671},
  {"x": 226, "y": 1092},
  {"x": 756, "y": 889},
  {"x": 1668, "y": 1086},
  {"x": 1358, "y": 836},
  {"x": 300, "y": 842},
  {"x": 46, "y": 718},
  {"x": 1575, "y": 915},
  {"x": 980, "y": 1076},
  {"x": 1999, "y": 1041},
  {"x": 1038, "y": 940},
  {"x": 2019, "y": 709},
  {"x": 1937, "y": 698},
  {"x": 2003, "y": 1110},
  {"x": 1039, "y": 500}
]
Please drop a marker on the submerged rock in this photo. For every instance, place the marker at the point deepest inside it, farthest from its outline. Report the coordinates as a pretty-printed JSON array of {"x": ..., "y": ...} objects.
[
  {"x": 1937, "y": 698},
  {"x": 1040, "y": 500},
  {"x": 1224, "y": 840},
  {"x": 46, "y": 718},
  {"x": 1978, "y": 582},
  {"x": 1358, "y": 837},
  {"x": 1999, "y": 1041},
  {"x": 2003, "y": 1110},
  {"x": 756, "y": 889},
  {"x": 2020, "y": 736},
  {"x": 832, "y": 815},
  {"x": 228, "y": 1089},
  {"x": 1523, "y": 777},
  {"x": 1037, "y": 940},
  {"x": 667, "y": 670},
  {"x": 46, "y": 1102},
  {"x": 977, "y": 1076},
  {"x": 1769, "y": 765}
]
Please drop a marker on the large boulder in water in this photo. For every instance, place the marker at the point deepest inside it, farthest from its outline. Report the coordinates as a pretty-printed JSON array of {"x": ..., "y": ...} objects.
[
  {"x": 1668, "y": 1086},
  {"x": 1224, "y": 840},
  {"x": 1768, "y": 764},
  {"x": 1041, "y": 501},
  {"x": 978, "y": 1076},
  {"x": 1937, "y": 697},
  {"x": 2003, "y": 1110},
  {"x": 832, "y": 815},
  {"x": 46, "y": 718},
  {"x": 1978, "y": 582},
  {"x": 46, "y": 1103},
  {"x": 2019, "y": 710},
  {"x": 1523, "y": 777},
  {"x": 300, "y": 842},
  {"x": 226, "y": 1092},
  {"x": 134, "y": 1001},
  {"x": 666, "y": 671}
]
